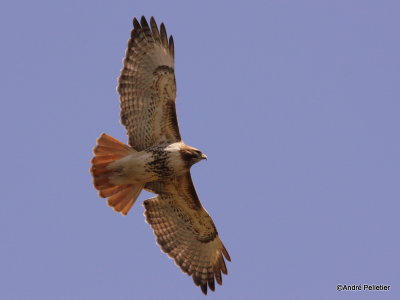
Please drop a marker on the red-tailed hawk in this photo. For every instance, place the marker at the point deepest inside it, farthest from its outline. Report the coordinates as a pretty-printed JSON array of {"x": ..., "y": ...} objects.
[{"x": 157, "y": 159}]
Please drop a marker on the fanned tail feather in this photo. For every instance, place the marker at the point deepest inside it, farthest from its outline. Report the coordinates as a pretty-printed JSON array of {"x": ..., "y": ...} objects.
[{"x": 107, "y": 151}]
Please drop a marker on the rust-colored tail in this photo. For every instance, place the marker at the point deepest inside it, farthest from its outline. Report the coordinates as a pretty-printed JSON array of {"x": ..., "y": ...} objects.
[{"x": 107, "y": 151}]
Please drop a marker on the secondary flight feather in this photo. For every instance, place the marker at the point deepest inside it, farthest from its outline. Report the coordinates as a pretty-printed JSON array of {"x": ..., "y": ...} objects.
[{"x": 157, "y": 159}]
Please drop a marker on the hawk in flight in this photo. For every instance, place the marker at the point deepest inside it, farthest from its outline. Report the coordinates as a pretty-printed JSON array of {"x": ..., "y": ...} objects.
[{"x": 157, "y": 160}]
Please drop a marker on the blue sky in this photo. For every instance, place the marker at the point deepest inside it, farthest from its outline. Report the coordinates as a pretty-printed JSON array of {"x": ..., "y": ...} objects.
[{"x": 295, "y": 103}]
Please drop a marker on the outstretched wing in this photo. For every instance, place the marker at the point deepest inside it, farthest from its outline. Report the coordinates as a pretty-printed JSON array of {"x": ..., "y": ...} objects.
[
  {"x": 147, "y": 87},
  {"x": 186, "y": 233}
]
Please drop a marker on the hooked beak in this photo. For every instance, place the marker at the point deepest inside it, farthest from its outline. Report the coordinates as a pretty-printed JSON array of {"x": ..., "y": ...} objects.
[{"x": 203, "y": 156}]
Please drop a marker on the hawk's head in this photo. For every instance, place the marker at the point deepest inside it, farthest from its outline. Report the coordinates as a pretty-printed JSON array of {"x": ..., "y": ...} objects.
[{"x": 192, "y": 155}]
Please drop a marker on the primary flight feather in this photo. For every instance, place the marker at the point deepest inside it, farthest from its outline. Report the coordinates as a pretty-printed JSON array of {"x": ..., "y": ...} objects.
[{"x": 157, "y": 159}]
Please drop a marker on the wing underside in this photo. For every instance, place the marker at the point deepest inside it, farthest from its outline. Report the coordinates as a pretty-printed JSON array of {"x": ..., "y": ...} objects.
[
  {"x": 186, "y": 233},
  {"x": 147, "y": 87}
]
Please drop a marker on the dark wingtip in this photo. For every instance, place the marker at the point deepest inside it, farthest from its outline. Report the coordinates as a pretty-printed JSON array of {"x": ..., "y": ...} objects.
[
  {"x": 203, "y": 287},
  {"x": 136, "y": 24},
  {"x": 163, "y": 33},
  {"x": 226, "y": 254},
  {"x": 218, "y": 276},
  {"x": 171, "y": 46},
  {"x": 211, "y": 284},
  {"x": 223, "y": 266},
  {"x": 162, "y": 27},
  {"x": 154, "y": 29},
  {"x": 143, "y": 22}
]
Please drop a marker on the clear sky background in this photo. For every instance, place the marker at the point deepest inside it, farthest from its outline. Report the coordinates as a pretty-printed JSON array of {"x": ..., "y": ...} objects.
[{"x": 296, "y": 104}]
